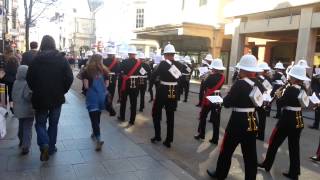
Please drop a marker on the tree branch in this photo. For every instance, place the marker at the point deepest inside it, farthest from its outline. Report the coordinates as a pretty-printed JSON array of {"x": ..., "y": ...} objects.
[{"x": 34, "y": 18}]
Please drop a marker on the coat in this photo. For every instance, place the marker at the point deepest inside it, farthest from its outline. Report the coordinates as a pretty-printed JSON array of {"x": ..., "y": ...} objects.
[
  {"x": 49, "y": 77},
  {"x": 21, "y": 95}
]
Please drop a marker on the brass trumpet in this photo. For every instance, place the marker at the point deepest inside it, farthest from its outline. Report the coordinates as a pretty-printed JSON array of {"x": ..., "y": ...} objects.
[{"x": 279, "y": 92}]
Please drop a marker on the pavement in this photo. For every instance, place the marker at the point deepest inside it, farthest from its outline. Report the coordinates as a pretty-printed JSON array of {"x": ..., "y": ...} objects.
[{"x": 128, "y": 154}]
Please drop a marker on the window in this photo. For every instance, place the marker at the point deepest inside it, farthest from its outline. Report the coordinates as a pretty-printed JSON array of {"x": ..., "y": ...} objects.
[
  {"x": 139, "y": 18},
  {"x": 202, "y": 2},
  {"x": 14, "y": 18}
]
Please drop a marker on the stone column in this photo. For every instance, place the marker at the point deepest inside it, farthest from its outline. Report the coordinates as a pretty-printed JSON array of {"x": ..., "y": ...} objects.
[
  {"x": 306, "y": 37},
  {"x": 237, "y": 48},
  {"x": 216, "y": 43}
]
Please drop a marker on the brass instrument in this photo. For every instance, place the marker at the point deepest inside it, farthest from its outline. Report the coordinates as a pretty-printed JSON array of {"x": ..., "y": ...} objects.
[{"x": 279, "y": 92}]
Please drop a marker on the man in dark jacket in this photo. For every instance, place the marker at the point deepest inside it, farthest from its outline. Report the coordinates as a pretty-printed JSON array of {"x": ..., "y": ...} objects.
[
  {"x": 49, "y": 77},
  {"x": 28, "y": 56}
]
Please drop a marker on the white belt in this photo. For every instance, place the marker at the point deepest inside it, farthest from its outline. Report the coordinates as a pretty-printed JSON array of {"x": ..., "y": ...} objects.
[
  {"x": 243, "y": 109},
  {"x": 143, "y": 76},
  {"x": 133, "y": 77},
  {"x": 112, "y": 73},
  {"x": 292, "y": 108},
  {"x": 168, "y": 83},
  {"x": 185, "y": 74}
]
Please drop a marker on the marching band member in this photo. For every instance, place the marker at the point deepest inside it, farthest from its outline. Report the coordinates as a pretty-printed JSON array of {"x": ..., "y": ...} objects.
[
  {"x": 315, "y": 86},
  {"x": 262, "y": 111},
  {"x": 168, "y": 72},
  {"x": 278, "y": 80},
  {"x": 205, "y": 63},
  {"x": 113, "y": 65},
  {"x": 129, "y": 70},
  {"x": 316, "y": 158},
  {"x": 144, "y": 71},
  {"x": 212, "y": 85},
  {"x": 241, "y": 128},
  {"x": 185, "y": 78},
  {"x": 291, "y": 123}
]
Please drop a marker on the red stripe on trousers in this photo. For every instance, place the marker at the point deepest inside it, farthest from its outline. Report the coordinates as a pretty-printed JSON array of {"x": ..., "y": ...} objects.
[
  {"x": 223, "y": 141},
  {"x": 272, "y": 135}
]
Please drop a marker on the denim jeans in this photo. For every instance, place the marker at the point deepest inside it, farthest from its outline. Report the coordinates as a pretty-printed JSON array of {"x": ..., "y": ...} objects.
[
  {"x": 25, "y": 131},
  {"x": 47, "y": 137}
]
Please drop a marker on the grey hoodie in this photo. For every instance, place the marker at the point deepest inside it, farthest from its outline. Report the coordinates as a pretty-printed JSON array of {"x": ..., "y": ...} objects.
[{"x": 21, "y": 95}]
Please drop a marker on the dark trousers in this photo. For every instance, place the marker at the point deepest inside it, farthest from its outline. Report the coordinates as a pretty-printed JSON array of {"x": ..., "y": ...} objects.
[
  {"x": 278, "y": 115},
  {"x": 142, "y": 92},
  {"x": 318, "y": 151},
  {"x": 279, "y": 134},
  {"x": 262, "y": 115},
  {"x": 109, "y": 98},
  {"x": 170, "y": 104},
  {"x": 201, "y": 92},
  {"x": 316, "y": 117},
  {"x": 47, "y": 136},
  {"x": 95, "y": 123},
  {"x": 184, "y": 88},
  {"x": 133, "y": 95},
  {"x": 214, "y": 118},
  {"x": 249, "y": 151}
]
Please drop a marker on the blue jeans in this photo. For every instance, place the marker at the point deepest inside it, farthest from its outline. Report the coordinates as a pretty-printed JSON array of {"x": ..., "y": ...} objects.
[{"x": 47, "y": 137}]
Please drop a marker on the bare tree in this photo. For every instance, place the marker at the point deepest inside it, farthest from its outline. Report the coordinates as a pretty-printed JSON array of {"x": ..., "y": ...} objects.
[{"x": 30, "y": 16}]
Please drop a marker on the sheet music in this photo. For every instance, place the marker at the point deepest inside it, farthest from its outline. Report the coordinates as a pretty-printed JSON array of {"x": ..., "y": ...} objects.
[
  {"x": 203, "y": 70},
  {"x": 215, "y": 99},
  {"x": 314, "y": 99}
]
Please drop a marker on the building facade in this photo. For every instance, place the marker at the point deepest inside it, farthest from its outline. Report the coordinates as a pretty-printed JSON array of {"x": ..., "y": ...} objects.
[{"x": 275, "y": 31}]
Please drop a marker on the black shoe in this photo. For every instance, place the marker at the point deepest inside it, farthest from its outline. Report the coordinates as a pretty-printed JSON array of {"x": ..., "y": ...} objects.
[
  {"x": 99, "y": 145},
  {"x": 213, "y": 141},
  {"x": 315, "y": 158},
  {"x": 185, "y": 100},
  {"x": 313, "y": 127},
  {"x": 129, "y": 125},
  {"x": 155, "y": 140},
  {"x": 198, "y": 136},
  {"x": 262, "y": 166},
  {"x": 120, "y": 119},
  {"x": 212, "y": 174},
  {"x": 112, "y": 112},
  {"x": 24, "y": 151},
  {"x": 20, "y": 144},
  {"x": 44, "y": 156},
  {"x": 140, "y": 110},
  {"x": 51, "y": 152},
  {"x": 287, "y": 175},
  {"x": 167, "y": 144}
]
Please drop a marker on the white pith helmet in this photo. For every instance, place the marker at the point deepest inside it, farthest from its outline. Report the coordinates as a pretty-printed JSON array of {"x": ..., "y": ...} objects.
[
  {"x": 264, "y": 66},
  {"x": 217, "y": 64},
  {"x": 249, "y": 63},
  {"x": 298, "y": 72},
  {"x": 279, "y": 65},
  {"x": 169, "y": 49},
  {"x": 303, "y": 63},
  {"x": 132, "y": 50}
]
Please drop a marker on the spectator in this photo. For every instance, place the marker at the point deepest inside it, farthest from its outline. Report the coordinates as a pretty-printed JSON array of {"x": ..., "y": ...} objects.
[
  {"x": 49, "y": 77},
  {"x": 11, "y": 64},
  {"x": 21, "y": 95},
  {"x": 28, "y": 56},
  {"x": 95, "y": 78}
]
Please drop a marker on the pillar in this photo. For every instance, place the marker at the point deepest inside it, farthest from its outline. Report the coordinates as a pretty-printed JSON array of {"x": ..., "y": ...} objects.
[
  {"x": 307, "y": 37},
  {"x": 237, "y": 48},
  {"x": 216, "y": 43}
]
